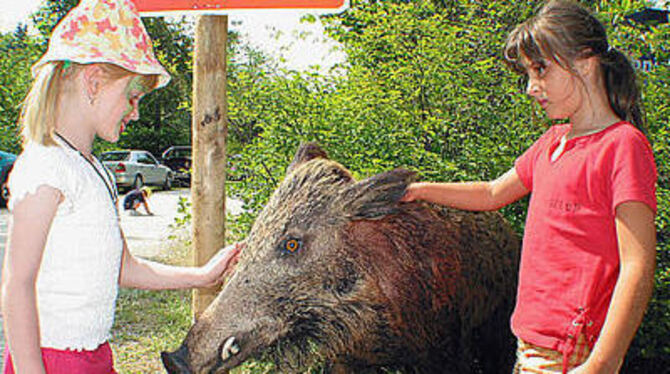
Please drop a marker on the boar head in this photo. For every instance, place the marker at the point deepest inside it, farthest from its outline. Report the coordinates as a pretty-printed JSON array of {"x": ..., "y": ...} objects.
[{"x": 300, "y": 283}]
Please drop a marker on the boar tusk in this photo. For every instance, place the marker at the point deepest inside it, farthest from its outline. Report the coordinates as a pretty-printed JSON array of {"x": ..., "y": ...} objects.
[{"x": 230, "y": 348}]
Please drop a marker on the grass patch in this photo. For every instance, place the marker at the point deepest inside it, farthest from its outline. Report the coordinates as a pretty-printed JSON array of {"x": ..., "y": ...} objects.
[
  {"x": 147, "y": 323},
  {"x": 150, "y": 322}
]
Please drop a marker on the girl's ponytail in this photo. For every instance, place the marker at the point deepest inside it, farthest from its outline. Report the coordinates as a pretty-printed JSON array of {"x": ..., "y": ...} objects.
[{"x": 622, "y": 90}]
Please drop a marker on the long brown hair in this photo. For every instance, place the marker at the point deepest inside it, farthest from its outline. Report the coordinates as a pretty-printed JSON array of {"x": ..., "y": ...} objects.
[
  {"x": 564, "y": 31},
  {"x": 40, "y": 107}
]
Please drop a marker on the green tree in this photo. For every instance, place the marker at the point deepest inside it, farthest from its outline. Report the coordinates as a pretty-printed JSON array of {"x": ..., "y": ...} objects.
[{"x": 17, "y": 52}]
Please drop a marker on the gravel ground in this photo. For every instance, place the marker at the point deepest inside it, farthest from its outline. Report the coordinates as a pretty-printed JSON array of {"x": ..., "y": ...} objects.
[{"x": 145, "y": 234}]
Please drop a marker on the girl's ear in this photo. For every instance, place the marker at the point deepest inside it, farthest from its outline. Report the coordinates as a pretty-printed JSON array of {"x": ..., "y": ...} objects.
[
  {"x": 92, "y": 75},
  {"x": 586, "y": 67}
]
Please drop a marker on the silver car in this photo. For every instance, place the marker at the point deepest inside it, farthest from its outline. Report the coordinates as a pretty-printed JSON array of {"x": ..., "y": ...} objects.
[{"x": 135, "y": 168}]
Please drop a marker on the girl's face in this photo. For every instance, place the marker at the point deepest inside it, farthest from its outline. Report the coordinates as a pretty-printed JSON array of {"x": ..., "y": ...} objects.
[
  {"x": 118, "y": 106},
  {"x": 558, "y": 91}
]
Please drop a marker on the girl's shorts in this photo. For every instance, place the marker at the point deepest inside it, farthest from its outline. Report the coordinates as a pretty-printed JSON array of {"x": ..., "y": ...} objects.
[
  {"x": 531, "y": 358},
  {"x": 99, "y": 361}
]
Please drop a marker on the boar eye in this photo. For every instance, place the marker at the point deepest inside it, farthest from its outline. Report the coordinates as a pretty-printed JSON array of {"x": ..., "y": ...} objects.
[{"x": 290, "y": 245}]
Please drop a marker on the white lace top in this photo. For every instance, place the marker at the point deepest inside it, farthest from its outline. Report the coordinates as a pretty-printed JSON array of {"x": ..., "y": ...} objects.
[{"x": 77, "y": 281}]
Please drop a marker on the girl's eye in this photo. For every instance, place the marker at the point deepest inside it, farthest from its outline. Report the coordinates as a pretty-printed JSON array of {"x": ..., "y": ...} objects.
[
  {"x": 290, "y": 245},
  {"x": 538, "y": 69}
]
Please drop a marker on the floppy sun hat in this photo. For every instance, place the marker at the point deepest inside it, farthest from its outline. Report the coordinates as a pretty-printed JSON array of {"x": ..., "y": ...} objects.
[{"x": 104, "y": 31}]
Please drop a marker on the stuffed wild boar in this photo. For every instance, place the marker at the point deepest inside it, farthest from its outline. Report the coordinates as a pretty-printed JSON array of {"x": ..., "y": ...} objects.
[{"x": 336, "y": 272}]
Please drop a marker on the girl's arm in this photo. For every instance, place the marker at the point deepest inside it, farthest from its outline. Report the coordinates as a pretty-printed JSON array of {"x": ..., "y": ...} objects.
[
  {"x": 470, "y": 195},
  {"x": 636, "y": 235},
  {"x": 139, "y": 273},
  {"x": 31, "y": 220},
  {"x": 146, "y": 207}
]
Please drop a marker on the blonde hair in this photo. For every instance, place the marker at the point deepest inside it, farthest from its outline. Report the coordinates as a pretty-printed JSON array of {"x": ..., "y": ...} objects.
[
  {"x": 40, "y": 107},
  {"x": 146, "y": 190}
]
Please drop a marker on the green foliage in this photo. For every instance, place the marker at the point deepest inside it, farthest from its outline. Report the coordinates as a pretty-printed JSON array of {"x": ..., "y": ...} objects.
[
  {"x": 147, "y": 323},
  {"x": 424, "y": 89},
  {"x": 183, "y": 217},
  {"x": 17, "y": 52}
]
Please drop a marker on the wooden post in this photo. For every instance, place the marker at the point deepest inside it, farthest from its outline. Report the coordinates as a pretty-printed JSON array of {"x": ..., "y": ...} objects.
[{"x": 210, "y": 128}]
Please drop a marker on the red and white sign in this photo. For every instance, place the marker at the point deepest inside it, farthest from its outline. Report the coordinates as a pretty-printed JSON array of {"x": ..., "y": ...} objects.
[{"x": 147, "y": 7}]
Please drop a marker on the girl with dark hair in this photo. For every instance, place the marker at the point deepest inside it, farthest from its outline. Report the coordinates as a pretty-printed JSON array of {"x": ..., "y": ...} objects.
[{"x": 588, "y": 256}]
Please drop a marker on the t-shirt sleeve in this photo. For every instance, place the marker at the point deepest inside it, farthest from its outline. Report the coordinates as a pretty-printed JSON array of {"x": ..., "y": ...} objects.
[
  {"x": 525, "y": 163},
  {"x": 634, "y": 171},
  {"x": 40, "y": 166}
]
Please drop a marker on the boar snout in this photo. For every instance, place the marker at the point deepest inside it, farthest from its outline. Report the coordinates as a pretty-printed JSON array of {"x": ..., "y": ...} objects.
[{"x": 175, "y": 362}]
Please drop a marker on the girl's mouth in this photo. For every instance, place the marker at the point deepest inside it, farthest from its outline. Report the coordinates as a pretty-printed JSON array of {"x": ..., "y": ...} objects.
[{"x": 543, "y": 103}]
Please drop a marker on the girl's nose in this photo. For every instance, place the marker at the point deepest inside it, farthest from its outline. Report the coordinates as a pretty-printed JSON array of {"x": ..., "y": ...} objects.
[
  {"x": 135, "y": 114},
  {"x": 532, "y": 88}
]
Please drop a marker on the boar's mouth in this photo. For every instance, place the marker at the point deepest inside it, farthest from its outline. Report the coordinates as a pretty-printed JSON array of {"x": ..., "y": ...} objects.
[
  {"x": 231, "y": 354},
  {"x": 235, "y": 349},
  {"x": 288, "y": 350}
]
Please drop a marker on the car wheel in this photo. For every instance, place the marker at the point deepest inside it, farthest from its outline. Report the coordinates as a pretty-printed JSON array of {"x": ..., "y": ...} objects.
[
  {"x": 138, "y": 182},
  {"x": 167, "y": 184}
]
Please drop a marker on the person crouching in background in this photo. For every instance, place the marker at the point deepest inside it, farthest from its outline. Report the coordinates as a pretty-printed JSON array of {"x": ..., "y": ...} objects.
[{"x": 135, "y": 198}]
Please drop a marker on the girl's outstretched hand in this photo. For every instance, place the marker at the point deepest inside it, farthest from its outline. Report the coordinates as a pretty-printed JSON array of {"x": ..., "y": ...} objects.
[
  {"x": 221, "y": 264},
  {"x": 411, "y": 193}
]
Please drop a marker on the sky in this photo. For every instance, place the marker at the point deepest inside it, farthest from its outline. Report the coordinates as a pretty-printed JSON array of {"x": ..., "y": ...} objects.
[{"x": 275, "y": 33}]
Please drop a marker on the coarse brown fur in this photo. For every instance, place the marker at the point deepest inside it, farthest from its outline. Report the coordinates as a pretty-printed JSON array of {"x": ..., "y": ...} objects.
[{"x": 375, "y": 283}]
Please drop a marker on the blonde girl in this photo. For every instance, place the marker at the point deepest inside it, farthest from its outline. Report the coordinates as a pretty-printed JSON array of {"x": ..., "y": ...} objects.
[{"x": 66, "y": 254}]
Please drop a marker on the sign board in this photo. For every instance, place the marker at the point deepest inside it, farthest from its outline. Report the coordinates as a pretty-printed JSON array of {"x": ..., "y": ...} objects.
[{"x": 149, "y": 7}]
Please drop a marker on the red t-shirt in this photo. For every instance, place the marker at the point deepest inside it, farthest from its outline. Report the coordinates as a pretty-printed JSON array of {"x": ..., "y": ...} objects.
[{"x": 570, "y": 258}]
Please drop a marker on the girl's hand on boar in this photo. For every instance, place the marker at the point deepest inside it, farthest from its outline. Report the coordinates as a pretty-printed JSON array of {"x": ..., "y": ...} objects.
[
  {"x": 220, "y": 265},
  {"x": 411, "y": 192}
]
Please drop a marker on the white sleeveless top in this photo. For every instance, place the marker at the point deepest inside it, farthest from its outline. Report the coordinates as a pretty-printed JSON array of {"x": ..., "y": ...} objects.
[{"x": 77, "y": 281}]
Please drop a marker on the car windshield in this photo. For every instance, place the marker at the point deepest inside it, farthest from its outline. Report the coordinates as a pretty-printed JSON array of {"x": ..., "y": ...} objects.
[{"x": 114, "y": 156}]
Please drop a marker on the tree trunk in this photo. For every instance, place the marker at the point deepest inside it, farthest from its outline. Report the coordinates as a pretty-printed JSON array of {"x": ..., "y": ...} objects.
[{"x": 210, "y": 130}]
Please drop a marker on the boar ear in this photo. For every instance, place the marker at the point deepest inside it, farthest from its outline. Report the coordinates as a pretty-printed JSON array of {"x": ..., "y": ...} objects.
[
  {"x": 306, "y": 152},
  {"x": 376, "y": 196}
]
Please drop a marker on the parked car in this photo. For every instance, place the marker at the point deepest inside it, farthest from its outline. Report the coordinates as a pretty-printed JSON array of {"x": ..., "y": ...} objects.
[
  {"x": 6, "y": 165},
  {"x": 136, "y": 168},
  {"x": 178, "y": 159}
]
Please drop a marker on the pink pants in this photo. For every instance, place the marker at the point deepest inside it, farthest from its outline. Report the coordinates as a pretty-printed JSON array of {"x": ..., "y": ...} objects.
[{"x": 99, "y": 361}]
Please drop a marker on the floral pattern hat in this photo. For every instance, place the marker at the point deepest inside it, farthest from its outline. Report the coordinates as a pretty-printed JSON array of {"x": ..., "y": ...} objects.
[{"x": 104, "y": 31}]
